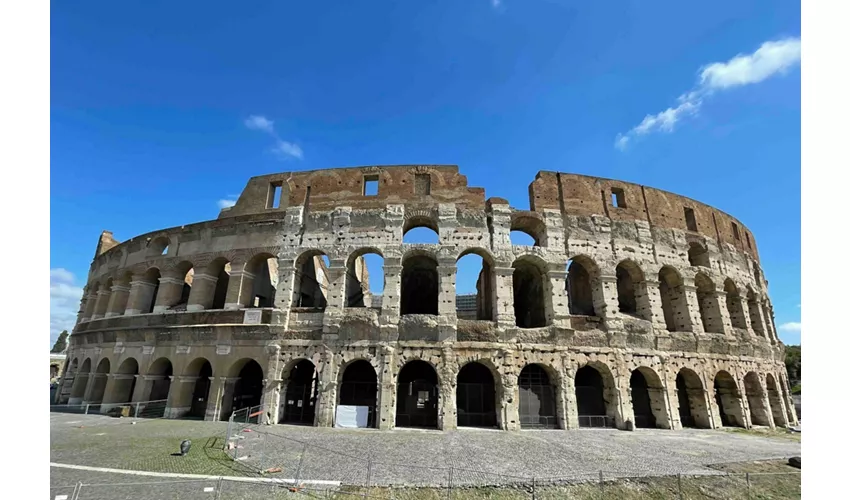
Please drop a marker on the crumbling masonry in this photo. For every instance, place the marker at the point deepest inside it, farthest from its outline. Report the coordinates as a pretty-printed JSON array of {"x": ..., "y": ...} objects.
[{"x": 635, "y": 307}]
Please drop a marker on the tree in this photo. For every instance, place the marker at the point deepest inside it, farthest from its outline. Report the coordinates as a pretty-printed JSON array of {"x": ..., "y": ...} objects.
[
  {"x": 61, "y": 343},
  {"x": 793, "y": 359}
]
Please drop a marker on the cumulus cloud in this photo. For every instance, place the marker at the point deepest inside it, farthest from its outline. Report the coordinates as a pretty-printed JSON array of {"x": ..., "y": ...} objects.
[
  {"x": 791, "y": 326},
  {"x": 282, "y": 149},
  {"x": 64, "y": 302},
  {"x": 771, "y": 58},
  {"x": 226, "y": 203}
]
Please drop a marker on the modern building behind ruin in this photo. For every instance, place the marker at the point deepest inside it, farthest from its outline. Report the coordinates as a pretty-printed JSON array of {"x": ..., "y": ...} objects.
[{"x": 635, "y": 307}]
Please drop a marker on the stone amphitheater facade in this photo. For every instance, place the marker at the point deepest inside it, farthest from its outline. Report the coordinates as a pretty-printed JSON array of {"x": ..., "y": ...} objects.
[{"x": 635, "y": 307}]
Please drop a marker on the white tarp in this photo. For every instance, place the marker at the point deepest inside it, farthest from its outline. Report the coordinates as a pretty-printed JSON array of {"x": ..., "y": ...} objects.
[{"x": 352, "y": 416}]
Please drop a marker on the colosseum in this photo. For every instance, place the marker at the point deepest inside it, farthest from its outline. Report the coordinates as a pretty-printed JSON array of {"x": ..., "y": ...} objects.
[{"x": 633, "y": 308}]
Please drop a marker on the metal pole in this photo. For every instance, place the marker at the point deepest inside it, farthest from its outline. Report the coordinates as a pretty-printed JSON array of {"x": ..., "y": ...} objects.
[
  {"x": 87, "y": 410},
  {"x": 136, "y": 414}
]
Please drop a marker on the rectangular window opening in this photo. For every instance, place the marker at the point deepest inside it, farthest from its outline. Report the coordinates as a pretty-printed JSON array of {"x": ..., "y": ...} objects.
[
  {"x": 274, "y": 195},
  {"x": 370, "y": 185},
  {"x": 618, "y": 198},
  {"x": 735, "y": 232},
  {"x": 749, "y": 245},
  {"x": 690, "y": 220},
  {"x": 422, "y": 184}
]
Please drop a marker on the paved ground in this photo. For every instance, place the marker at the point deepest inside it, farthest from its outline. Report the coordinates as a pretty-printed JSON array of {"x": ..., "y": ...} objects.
[{"x": 402, "y": 456}]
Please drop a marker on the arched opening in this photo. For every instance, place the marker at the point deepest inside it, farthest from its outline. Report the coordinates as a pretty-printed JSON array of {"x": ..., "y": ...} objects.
[
  {"x": 632, "y": 298},
  {"x": 528, "y": 229},
  {"x": 364, "y": 279},
  {"x": 734, "y": 305},
  {"x": 99, "y": 384},
  {"x": 775, "y": 400},
  {"x": 358, "y": 396},
  {"x": 709, "y": 309},
  {"x": 161, "y": 371},
  {"x": 311, "y": 280},
  {"x": 103, "y": 300},
  {"x": 420, "y": 285},
  {"x": 248, "y": 390},
  {"x": 590, "y": 398},
  {"x": 537, "y": 401},
  {"x": 529, "y": 283},
  {"x": 150, "y": 290},
  {"x": 202, "y": 369},
  {"x": 220, "y": 269},
  {"x": 476, "y": 396},
  {"x": 769, "y": 329},
  {"x": 580, "y": 288},
  {"x": 728, "y": 400},
  {"x": 790, "y": 407},
  {"x": 157, "y": 247},
  {"x": 80, "y": 383},
  {"x": 698, "y": 255},
  {"x": 755, "y": 313},
  {"x": 300, "y": 395},
  {"x": 648, "y": 402},
  {"x": 759, "y": 414},
  {"x": 418, "y": 391},
  {"x": 689, "y": 391},
  {"x": 474, "y": 286},
  {"x": 673, "y": 300},
  {"x": 124, "y": 382},
  {"x": 420, "y": 230},
  {"x": 260, "y": 286}
]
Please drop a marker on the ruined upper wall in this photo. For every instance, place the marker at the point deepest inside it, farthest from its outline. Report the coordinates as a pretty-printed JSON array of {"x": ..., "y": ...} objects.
[
  {"x": 585, "y": 195},
  {"x": 322, "y": 190}
]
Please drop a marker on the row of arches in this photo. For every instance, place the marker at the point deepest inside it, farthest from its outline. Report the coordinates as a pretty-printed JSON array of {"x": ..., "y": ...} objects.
[{"x": 479, "y": 394}]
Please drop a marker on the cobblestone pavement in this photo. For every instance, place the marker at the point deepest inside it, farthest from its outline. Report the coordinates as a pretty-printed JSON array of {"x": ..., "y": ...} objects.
[{"x": 465, "y": 456}]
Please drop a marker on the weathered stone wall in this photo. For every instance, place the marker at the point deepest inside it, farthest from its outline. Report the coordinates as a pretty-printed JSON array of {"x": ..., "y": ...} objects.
[{"x": 691, "y": 297}]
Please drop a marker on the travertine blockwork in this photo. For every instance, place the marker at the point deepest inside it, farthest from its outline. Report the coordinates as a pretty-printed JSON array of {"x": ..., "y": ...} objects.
[{"x": 634, "y": 308}]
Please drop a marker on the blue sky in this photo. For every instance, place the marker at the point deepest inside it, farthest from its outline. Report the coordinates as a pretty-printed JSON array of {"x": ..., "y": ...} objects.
[{"x": 150, "y": 102}]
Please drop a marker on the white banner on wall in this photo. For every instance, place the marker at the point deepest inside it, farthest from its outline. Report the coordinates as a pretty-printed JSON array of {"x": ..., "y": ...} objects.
[{"x": 352, "y": 417}]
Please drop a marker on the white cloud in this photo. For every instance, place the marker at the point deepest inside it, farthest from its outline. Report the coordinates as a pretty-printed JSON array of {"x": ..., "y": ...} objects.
[
  {"x": 64, "y": 302},
  {"x": 284, "y": 148},
  {"x": 771, "y": 58},
  {"x": 226, "y": 203},
  {"x": 496, "y": 3},
  {"x": 791, "y": 326},
  {"x": 259, "y": 122}
]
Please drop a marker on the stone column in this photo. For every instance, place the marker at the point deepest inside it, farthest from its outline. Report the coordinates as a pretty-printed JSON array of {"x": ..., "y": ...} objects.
[
  {"x": 692, "y": 301},
  {"x": 203, "y": 292},
  {"x": 335, "y": 299},
  {"x": 725, "y": 320},
  {"x": 144, "y": 384},
  {"x": 270, "y": 401},
  {"x": 745, "y": 313},
  {"x": 391, "y": 305},
  {"x": 141, "y": 294},
  {"x": 118, "y": 299},
  {"x": 91, "y": 302},
  {"x": 386, "y": 390},
  {"x": 180, "y": 396},
  {"x": 503, "y": 302},
  {"x": 510, "y": 402},
  {"x": 446, "y": 303},
  {"x": 777, "y": 406},
  {"x": 65, "y": 389},
  {"x": 284, "y": 293},
  {"x": 239, "y": 287},
  {"x": 558, "y": 309},
  {"x": 79, "y": 386},
  {"x": 90, "y": 386},
  {"x": 770, "y": 327},
  {"x": 605, "y": 301},
  {"x": 101, "y": 303},
  {"x": 652, "y": 290},
  {"x": 568, "y": 390},
  {"x": 326, "y": 403},
  {"x": 216, "y": 394},
  {"x": 790, "y": 408},
  {"x": 757, "y": 319},
  {"x": 81, "y": 313},
  {"x": 225, "y": 401},
  {"x": 170, "y": 290}
]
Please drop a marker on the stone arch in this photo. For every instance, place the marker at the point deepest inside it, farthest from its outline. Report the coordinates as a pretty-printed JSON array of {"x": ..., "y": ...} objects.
[
  {"x": 358, "y": 389},
  {"x": 358, "y": 292},
  {"x": 727, "y": 397},
  {"x": 246, "y": 391},
  {"x": 774, "y": 397},
  {"x": 632, "y": 298},
  {"x": 734, "y": 304},
  {"x": 81, "y": 380},
  {"x": 417, "y": 395},
  {"x": 100, "y": 380},
  {"x": 756, "y": 400},
  {"x": 674, "y": 302},
  {"x": 259, "y": 281},
  {"x": 124, "y": 382},
  {"x": 424, "y": 225},
  {"x": 755, "y": 313},
  {"x": 648, "y": 399},
  {"x": 485, "y": 285},
  {"x": 476, "y": 396},
  {"x": 582, "y": 281},
  {"x": 530, "y": 289},
  {"x": 538, "y": 397},
  {"x": 531, "y": 224},
  {"x": 157, "y": 247},
  {"x": 159, "y": 375},
  {"x": 312, "y": 286},
  {"x": 192, "y": 400},
  {"x": 420, "y": 284},
  {"x": 698, "y": 255},
  {"x": 300, "y": 392},
  {"x": 596, "y": 396},
  {"x": 690, "y": 393}
]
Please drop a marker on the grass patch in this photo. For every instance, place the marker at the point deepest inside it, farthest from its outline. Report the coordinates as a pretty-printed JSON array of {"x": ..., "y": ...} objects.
[{"x": 777, "y": 433}]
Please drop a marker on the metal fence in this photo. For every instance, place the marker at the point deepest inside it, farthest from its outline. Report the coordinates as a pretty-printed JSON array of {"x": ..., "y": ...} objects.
[{"x": 139, "y": 409}]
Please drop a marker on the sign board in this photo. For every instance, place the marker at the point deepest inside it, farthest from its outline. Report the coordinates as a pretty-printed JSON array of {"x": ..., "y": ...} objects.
[
  {"x": 352, "y": 417},
  {"x": 253, "y": 317},
  {"x": 222, "y": 350}
]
